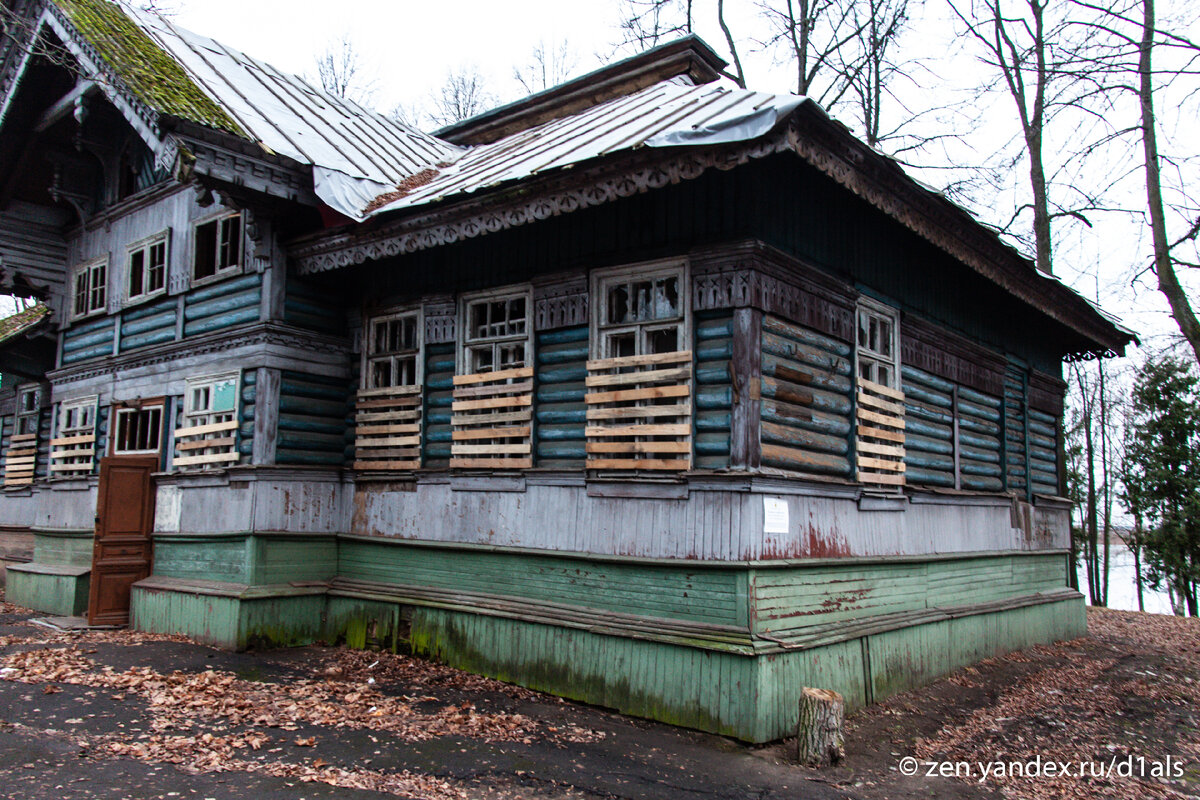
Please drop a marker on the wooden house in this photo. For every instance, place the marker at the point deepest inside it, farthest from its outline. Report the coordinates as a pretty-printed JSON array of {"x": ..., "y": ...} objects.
[{"x": 644, "y": 390}]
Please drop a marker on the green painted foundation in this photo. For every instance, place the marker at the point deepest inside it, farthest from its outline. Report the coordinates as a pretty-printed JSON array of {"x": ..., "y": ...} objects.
[
  {"x": 57, "y": 580},
  {"x": 718, "y": 646}
]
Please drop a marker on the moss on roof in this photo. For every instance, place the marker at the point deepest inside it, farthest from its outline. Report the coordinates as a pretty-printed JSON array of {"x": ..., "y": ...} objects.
[
  {"x": 22, "y": 321},
  {"x": 145, "y": 68}
]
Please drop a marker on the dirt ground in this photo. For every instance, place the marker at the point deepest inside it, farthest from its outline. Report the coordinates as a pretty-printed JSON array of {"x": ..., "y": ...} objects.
[{"x": 115, "y": 714}]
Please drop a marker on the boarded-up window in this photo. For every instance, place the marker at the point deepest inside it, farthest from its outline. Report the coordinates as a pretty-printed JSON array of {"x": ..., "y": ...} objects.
[
  {"x": 392, "y": 351},
  {"x": 208, "y": 436},
  {"x": 877, "y": 344},
  {"x": 879, "y": 442},
  {"x": 496, "y": 331},
  {"x": 641, "y": 312},
  {"x": 73, "y": 448}
]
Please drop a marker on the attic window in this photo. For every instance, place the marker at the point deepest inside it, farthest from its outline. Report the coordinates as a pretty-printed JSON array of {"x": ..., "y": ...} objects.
[
  {"x": 148, "y": 267},
  {"x": 218, "y": 247},
  {"x": 91, "y": 288}
]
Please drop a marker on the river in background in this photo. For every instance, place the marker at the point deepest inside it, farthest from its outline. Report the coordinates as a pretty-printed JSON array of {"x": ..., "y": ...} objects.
[{"x": 1122, "y": 585}]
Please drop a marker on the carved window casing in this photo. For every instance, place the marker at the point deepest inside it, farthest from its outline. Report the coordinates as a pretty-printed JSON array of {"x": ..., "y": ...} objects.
[
  {"x": 392, "y": 350},
  {"x": 496, "y": 331},
  {"x": 90, "y": 288},
  {"x": 74, "y": 446},
  {"x": 146, "y": 268},
  {"x": 207, "y": 435},
  {"x": 217, "y": 247},
  {"x": 640, "y": 311},
  {"x": 878, "y": 344}
]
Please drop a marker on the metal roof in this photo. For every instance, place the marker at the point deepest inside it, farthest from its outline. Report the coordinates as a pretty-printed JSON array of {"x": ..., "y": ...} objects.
[
  {"x": 673, "y": 112},
  {"x": 355, "y": 152}
]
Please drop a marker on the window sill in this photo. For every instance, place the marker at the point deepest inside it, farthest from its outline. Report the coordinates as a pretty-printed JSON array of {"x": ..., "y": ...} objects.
[
  {"x": 231, "y": 272},
  {"x": 142, "y": 299}
]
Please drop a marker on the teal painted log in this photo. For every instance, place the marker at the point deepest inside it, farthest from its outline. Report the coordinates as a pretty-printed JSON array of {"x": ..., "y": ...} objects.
[
  {"x": 779, "y": 328},
  {"x": 714, "y": 420},
  {"x": 789, "y": 370},
  {"x": 311, "y": 406},
  {"x": 797, "y": 394},
  {"x": 804, "y": 356},
  {"x": 712, "y": 372},
  {"x": 160, "y": 336},
  {"x": 220, "y": 304},
  {"x": 718, "y": 328},
  {"x": 804, "y": 460},
  {"x": 713, "y": 397},
  {"x": 806, "y": 418},
  {"x": 927, "y": 445},
  {"x": 578, "y": 333},
  {"x": 305, "y": 424},
  {"x": 917, "y": 393},
  {"x": 712, "y": 349},
  {"x": 219, "y": 321},
  {"x": 563, "y": 353},
  {"x": 83, "y": 355},
  {"x": 88, "y": 339},
  {"x": 930, "y": 477},
  {"x": 912, "y": 375},
  {"x": 710, "y": 444},
  {"x": 562, "y": 413},
  {"x": 929, "y": 429},
  {"x": 162, "y": 318},
  {"x": 562, "y": 373},
  {"x": 224, "y": 288},
  {"x": 567, "y": 450},
  {"x": 803, "y": 439},
  {"x": 555, "y": 433},
  {"x": 981, "y": 442}
]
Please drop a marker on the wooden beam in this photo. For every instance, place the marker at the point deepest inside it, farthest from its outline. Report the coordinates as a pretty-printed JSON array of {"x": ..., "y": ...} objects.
[{"x": 64, "y": 105}]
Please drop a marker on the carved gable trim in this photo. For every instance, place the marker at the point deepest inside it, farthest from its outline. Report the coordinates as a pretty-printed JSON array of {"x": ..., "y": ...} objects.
[
  {"x": 563, "y": 304},
  {"x": 939, "y": 352}
]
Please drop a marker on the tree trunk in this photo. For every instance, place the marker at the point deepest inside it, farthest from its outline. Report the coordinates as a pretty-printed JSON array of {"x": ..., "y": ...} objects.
[
  {"x": 819, "y": 739},
  {"x": 1107, "y": 486},
  {"x": 1136, "y": 547},
  {"x": 1164, "y": 268}
]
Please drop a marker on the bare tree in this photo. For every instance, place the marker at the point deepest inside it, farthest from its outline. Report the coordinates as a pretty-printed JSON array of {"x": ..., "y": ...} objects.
[
  {"x": 547, "y": 66},
  {"x": 340, "y": 72},
  {"x": 813, "y": 33},
  {"x": 463, "y": 95},
  {"x": 647, "y": 23},
  {"x": 879, "y": 24}
]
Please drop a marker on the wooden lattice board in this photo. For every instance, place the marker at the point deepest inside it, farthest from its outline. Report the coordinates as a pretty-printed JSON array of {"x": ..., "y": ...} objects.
[
  {"x": 639, "y": 412},
  {"x": 20, "y": 460},
  {"x": 218, "y": 436},
  {"x": 879, "y": 442},
  {"x": 387, "y": 433},
  {"x": 493, "y": 420},
  {"x": 72, "y": 454}
]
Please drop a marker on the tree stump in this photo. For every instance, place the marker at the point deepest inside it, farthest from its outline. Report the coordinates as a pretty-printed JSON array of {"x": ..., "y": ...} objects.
[{"x": 819, "y": 739}]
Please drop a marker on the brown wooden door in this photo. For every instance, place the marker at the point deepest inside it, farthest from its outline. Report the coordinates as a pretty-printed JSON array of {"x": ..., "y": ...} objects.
[{"x": 124, "y": 519}]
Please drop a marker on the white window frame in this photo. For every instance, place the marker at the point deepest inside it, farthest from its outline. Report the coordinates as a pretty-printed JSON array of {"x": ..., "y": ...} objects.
[
  {"x": 868, "y": 308},
  {"x": 368, "y": 337},
  {"x": 33, "y": 391},
  {"x": 120, "y": 411},
  {"x": 82, "y": 404},
  {"x": 602, "y": 279},
  {"x": 88, "y": 271},
  {"x": 193, "y": 417},
  {"x": 221, "y": 272},
  {"x": 145, "y": 247},
  {"x": 468, "y": 343}
]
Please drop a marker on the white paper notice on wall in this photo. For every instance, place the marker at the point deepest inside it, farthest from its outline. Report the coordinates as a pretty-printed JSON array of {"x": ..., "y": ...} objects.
[
  {"x": 168, "y": 510},
  {"x": 775, "y": 515}
]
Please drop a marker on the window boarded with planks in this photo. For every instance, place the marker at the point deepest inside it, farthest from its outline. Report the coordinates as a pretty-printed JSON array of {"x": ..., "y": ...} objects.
[
  {"x": 73, "y": 451},
  {"x": 387, "y": 433},
  {"x": 493, "y": 420},
  {"x": 19, "y": 459},
  {"x": 639, "y": 411},
  {"x": 879, "y": 442}
]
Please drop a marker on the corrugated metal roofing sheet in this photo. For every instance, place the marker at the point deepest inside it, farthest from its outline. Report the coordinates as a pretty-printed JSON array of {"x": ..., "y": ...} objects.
[
  {"x": 669, "y": 113},
  {"x": 355, "y": 153}
]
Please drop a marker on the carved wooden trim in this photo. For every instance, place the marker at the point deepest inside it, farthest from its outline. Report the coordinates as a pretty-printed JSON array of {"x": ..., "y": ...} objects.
[
  {"x": 440, "y": 322},
  {"x": 752, "y": 275},
  {"x": 561, "y": 305},
  {"x": 939, "y": 352}
]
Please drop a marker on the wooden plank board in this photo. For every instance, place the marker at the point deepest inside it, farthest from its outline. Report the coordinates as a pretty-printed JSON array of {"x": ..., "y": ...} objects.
[
  {"x": 387, "y": 441},
  {"x": 85, "y": 438},
  {"x": 879, "y": 388},
  {"x": 12, "y": 462},
  {"x": 639, "y": 447},
  {"x": 375, "y": 430},
  {"x": 675, "y": 357},
  {"x": 24, "y": 451},
  {"x": 677, "y": 429},
  {"x": 392, "y": 453},
  {"x": 18, "y": 481},
  {"x": 388, "y": 402},
  {"x": 865, "y": 462},
  {"x": 879, "y": 449},
  {"x": 23, "y": 437},
  {"x": 492, "y": 419},
  {"x": 639, "y": 463},
  {"x": 201, "y": 430},
  {"x": 646, "y": 376},
  {"x": 491, "y": 463},
  {"x": 399, "y": 464},
  {"x": 880, "y": 433},
  {"x": 488, "y": 377},
  {"x": 495, "y": 402},
  {"x": 489, "y": 449},
  {"x": 633, "y": 412},
  {"x": 82, "y": 451},
  {"x": 879, "y": 419},
  {"x": 83, "y": 467},
  {"x": 647, "y": 393},
  {"x": 881, "y": 405},
  {"x": 880, "y": 477},
  {"x": 491, "y": 433},
  {"x": 492, "y": 390},
  {"x": 389, "y": 391},
  {"x": 385, "y": 416},
  {"x": 211, "y": 458}
]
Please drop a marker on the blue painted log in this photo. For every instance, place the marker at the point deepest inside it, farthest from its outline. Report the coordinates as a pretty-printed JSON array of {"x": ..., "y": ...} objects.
[{"x": 221, "y": 321}]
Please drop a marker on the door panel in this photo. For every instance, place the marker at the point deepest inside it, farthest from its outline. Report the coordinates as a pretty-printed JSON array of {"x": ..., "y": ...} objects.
[{"x": 121, "y": 552}]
